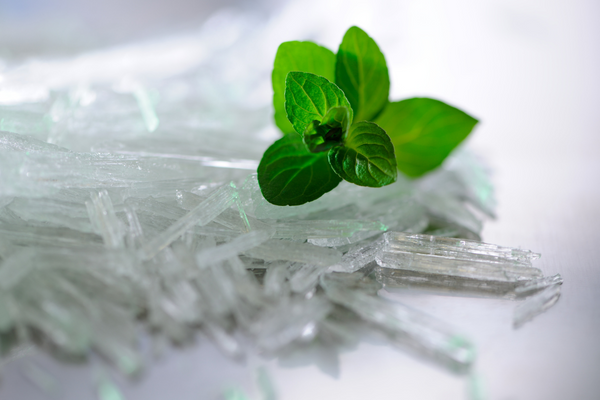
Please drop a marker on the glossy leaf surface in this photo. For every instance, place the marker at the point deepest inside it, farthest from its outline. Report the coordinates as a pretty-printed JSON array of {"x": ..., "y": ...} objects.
[
  {"x": 290, "y": 175},
  {"x": 424, "y": 132},
  {"x": 361, "y": 72},
  {"x": 308, "y": 97},
  {"x": 366, "y": 157}
]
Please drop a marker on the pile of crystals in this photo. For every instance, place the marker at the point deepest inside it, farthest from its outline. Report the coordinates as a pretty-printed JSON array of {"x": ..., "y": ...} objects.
[
  {"x": 125, "y": 204},
  {"x": 82, "y": 263}
]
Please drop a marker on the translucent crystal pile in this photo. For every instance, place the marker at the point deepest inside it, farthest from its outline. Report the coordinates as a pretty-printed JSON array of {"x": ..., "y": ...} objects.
[{"x": 130, "y": 202}]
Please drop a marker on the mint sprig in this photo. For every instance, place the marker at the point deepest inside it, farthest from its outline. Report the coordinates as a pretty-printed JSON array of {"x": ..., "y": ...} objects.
[
  {"x": 339, "y": 123},
  {"x": 366, "y": 157}
]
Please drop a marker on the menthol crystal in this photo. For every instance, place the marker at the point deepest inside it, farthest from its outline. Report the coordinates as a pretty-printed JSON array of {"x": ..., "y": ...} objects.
[
  {"x": 536, "y": 304},
  {"x": 406, "y": 326},
  {"x": 456, "y": 258}
]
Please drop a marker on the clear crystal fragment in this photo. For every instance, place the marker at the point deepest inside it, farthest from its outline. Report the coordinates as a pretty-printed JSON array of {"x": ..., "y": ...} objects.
[
  {"x": 46, "y": 236},
  {"x": 26, "y": 173},
  {"x": 240, "y": 244},
  {"x": 321, "y": 229},
  {"x": 50, "y": 293},
  {"x": 306, "y": 253},
  {"x": 202, "y": 214},
  {"x": 358, "y": 256},
  {"x": 530, "y": 287},
  {"x": 456, "y": 258},
  {"x": 275, "y": 280},
  {"x": 135, "y": 234},
  {"x": 306, "y": 278},
  {"x": 293, "y": 319},
  {"x": 59, "y": 213},
  {"x": 451, "y": 210},
  {"x": 536, "y": 304},
  {"x": 463, "y": 177},
  {"x": 22, "y": 121},
  {"x": 405, "y": 325},
  {"x": 154, "y": 207},
  {"x": 146, "y": 104},
  {"x": 104, "y": 220},
  {"x": 228, "y": 343}
]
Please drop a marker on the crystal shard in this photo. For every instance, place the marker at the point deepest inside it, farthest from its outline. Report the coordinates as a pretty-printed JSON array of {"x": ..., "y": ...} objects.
[
  {"x": 55, "y": 212},
  {"x": 536, "y": 304},
  {"x": 202, "y": 214},
  {"x": 104, "y": 220},
  {"x": 404, "y": 325},
  {"x": 456, "y": 258},
  {"x": 533, "y": 286},
  {"x": 274, "y": 250},
  {"x": 322, "y": 229},
  {"x": 275, "y": 280},
  {"x": 240, "y": 244},
  {"x": 306, "y": 277},
  {"x": 446, "y": 284},
  {"x": 146, "y": 104},
  {"x": 357, "y": 257},
  {"x": 291, "y": 320}
]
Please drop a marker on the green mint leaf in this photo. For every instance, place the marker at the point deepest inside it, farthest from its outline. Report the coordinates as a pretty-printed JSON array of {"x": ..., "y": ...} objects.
[
  {"x": 308, "y": 97},
  {"x": 297, "y": 56},
  {"x": 361, "y": 72},
  {"x": 290, "y": 175},
  {"x": 424, "y": 132},
  {"x": 366, "y": 158},
  {"x": 321, "y": 136}
]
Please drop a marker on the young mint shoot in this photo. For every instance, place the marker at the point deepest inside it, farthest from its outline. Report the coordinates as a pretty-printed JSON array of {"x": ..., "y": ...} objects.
[
  {"x": 309, "y": 97},
  {"x": 366, "y": 158},
  {"x": 339, "y": 124},
  {"x": 323, "y": 135}
]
